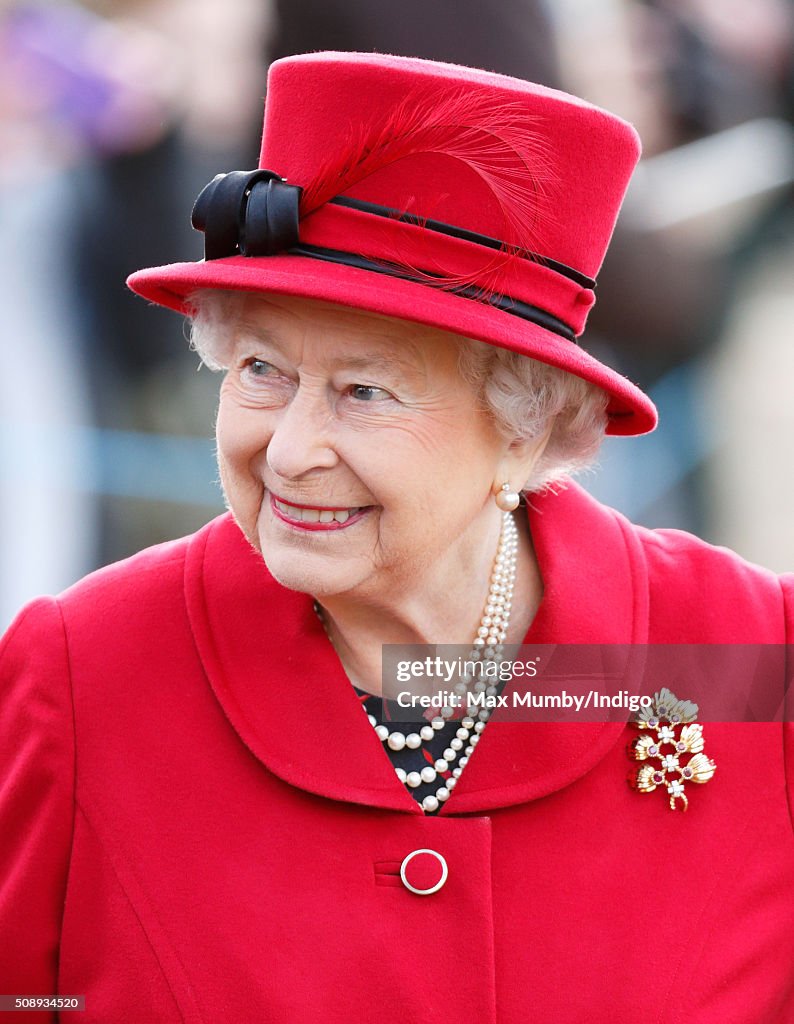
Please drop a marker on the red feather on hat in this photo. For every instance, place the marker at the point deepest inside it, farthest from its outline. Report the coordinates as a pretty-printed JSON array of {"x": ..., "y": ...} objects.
[{"x": 497, "y": 140}]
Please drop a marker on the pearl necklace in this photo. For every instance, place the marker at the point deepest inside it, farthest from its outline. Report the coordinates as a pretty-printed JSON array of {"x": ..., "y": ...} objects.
[{"x": 486, "y": 647}]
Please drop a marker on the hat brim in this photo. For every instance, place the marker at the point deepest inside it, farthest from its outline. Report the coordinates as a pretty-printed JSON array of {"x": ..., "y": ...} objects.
[{"x": 630, "y": 411}]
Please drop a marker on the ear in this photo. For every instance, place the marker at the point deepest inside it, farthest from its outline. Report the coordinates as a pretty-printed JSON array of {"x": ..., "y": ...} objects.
[{"x": 519, "y": 459}]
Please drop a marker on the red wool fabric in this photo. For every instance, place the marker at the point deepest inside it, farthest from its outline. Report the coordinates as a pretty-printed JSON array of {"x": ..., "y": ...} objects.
[
  {"x": 199, "y": 824},
  {"x": 534, "y": 167}
]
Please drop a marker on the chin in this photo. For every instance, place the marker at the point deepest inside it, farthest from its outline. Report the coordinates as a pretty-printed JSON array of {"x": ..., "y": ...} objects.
[{"x": 308, "y": 574}]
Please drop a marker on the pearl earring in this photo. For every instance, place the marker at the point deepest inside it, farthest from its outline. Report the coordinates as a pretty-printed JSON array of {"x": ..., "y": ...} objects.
[{"x": 507, "y": 499}]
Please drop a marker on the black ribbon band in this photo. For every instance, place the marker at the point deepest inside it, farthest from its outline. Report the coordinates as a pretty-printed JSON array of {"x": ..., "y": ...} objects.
[
  {"x": 505, "y": 303},
  {"x": 468, "y": 236}
]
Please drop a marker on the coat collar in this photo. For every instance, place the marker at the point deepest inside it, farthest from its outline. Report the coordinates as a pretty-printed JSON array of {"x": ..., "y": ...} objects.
[{"x": 283, "y": 689}]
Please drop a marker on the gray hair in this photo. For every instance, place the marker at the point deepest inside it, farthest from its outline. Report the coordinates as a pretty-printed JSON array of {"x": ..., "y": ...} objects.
[{"x": 522, "y": 395}]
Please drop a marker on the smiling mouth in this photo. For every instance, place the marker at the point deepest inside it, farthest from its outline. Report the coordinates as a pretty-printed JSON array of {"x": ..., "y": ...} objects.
[{"x": 316, "y": 518}]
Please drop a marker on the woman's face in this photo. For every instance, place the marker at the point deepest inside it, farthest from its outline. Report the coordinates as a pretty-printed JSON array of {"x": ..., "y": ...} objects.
[{"x": 352, "y": 453}]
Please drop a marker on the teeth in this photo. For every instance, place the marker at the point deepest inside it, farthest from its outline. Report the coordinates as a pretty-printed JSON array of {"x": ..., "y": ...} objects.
[{"x": 315, "y": 515}]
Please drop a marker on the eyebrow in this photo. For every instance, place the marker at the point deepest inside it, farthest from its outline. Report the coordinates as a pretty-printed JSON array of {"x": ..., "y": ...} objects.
[
  {"x": 373, "y": 360},
  {"x": 377, "y": 361},
  {"x": 246, "y": 330}
]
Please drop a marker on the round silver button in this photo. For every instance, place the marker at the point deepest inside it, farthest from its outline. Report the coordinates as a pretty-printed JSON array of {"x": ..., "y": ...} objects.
[{"x": 424, "y": 872}]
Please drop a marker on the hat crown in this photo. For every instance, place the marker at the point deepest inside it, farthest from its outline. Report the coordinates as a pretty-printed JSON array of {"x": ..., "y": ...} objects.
[{"x": 530, "y": 165}]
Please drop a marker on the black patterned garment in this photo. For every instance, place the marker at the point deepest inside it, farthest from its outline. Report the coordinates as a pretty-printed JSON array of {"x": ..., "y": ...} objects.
[
  {"x": 407, "y": 759},
  {"x": 427, "y": 754}
]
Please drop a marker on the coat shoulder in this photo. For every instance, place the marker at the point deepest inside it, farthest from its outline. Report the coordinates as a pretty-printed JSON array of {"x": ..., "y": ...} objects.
[
  {"x": 692, "y": 591},
  {"x": 704, "y": 585},
  {"x": 135, "y": 588}
]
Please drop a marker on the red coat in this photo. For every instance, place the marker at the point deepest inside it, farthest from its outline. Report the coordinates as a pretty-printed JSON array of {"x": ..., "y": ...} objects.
[{"x": 199, "y": 825}]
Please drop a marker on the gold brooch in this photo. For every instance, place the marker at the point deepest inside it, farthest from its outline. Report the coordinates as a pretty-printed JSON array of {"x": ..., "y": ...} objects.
[{"x": 671, "y": 735}]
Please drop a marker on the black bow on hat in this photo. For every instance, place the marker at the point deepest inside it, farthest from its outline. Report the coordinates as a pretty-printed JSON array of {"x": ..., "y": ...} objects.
[{"x": 247, "y": 213}]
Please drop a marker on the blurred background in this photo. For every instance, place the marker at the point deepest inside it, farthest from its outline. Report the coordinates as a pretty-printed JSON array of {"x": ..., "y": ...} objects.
[{"x": 114, "y": 114}]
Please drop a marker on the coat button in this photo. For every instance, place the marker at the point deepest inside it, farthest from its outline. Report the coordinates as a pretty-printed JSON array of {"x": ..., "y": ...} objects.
[{"x": 424, "y": 872}]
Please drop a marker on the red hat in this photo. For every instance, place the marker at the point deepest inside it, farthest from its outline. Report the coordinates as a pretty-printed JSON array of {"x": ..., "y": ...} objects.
[{"x": 461, "y": 199}]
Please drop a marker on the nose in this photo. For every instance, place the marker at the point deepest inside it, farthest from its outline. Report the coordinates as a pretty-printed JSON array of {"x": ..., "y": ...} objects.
[{"x": 301, "y": 441}]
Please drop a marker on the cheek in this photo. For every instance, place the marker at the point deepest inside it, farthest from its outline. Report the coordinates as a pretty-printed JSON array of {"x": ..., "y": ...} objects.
[
  {"x": 241, "y": 433},
  {"x": 429, "y": 441},
  {"x": 441, "y": 470},
  {"x": 454, "y": 447},
  {"x": 241, "y": 439}
]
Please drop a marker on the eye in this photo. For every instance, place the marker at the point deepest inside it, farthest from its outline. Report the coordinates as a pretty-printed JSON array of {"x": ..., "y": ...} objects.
[
  {"x": 263, "y": 383},
  {"x": 368, "y": 393},
  {"x": 258, "y": 368}
]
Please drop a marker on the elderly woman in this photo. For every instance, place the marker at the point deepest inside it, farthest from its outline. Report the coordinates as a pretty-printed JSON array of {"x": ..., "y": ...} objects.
[{"x": 198, "y": 822}]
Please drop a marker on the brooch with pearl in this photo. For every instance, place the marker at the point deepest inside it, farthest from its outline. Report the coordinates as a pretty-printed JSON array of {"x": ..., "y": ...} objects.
[{"x": 671, "y": 748}]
